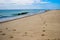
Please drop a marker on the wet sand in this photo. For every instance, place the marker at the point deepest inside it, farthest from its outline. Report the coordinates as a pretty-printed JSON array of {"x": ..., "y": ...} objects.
[{"x": 45, "y": 26}]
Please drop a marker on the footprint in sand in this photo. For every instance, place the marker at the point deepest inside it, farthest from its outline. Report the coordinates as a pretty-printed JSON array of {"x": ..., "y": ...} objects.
[
  {"x": 14, "y": 29},
  {"x": 42, "y": 34},
  {"x": 3, "y": 34},
  {"x": 43, "y": 27},
  {"x": 44, "y": 23},
  {"x": 1, "y": 31},
  {"x": 25, "y": 34},
  {"x": 7, "y": 28},
  {"x": 43, "y": 30},
  {"x": 11, "y": 37}
]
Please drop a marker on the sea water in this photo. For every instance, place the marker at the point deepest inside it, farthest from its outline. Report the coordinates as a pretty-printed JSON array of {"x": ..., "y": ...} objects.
[{"x": 8, "y": 13}]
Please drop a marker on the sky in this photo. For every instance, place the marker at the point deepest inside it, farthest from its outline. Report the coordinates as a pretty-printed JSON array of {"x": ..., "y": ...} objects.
[{"x": 29, "y": 4}]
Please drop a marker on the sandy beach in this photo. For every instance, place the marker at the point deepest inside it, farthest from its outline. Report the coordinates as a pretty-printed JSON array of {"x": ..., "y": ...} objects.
[{"x": 45, "y": 26}]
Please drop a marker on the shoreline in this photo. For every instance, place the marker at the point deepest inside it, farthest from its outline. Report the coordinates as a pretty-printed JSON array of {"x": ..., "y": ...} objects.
[{"x": 2, "y": 20}]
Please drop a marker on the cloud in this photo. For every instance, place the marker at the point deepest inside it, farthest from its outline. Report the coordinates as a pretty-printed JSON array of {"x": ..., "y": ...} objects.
[
  {"x": 26, "y": 4},
  {"x": 44, "y": 2},
  {"x": 37, "y": 1},
  {"x": 21, "y": 2}
]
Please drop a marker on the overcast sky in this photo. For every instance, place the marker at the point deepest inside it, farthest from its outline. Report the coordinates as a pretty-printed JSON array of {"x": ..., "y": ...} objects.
[{"x": 29, "y": 4}]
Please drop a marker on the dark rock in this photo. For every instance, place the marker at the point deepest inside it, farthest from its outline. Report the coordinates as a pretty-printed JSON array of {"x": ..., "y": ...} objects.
[{"x": 23, "y": 13}]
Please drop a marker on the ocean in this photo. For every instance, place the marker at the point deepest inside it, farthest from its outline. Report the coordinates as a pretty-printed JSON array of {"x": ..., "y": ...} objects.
[
  {"x": 11, "y": 12},
  {"x": 6, "y": 15}
]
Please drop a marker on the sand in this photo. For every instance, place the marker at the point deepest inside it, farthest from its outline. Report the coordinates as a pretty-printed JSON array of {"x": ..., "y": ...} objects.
[{"x": 45, "y": 26}]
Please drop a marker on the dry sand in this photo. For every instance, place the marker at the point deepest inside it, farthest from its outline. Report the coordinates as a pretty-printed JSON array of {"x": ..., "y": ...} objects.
[{"x": 44, "y": 26}]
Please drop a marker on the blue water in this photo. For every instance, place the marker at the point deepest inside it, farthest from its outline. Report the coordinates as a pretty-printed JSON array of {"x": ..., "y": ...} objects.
[{"x": 9, "y": 13}]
